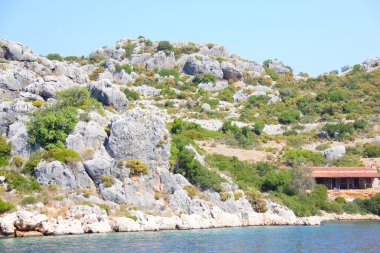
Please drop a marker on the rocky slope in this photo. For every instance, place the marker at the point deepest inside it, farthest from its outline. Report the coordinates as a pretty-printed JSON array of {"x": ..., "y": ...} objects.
[{"x": 106, "y": 141}]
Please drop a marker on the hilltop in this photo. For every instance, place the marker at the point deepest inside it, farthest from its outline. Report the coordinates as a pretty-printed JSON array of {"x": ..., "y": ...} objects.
[{"x": 139, "y": 136}]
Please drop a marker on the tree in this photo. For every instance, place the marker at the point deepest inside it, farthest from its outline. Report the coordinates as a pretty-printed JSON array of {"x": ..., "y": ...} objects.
[{"x": 301, "y": 179}]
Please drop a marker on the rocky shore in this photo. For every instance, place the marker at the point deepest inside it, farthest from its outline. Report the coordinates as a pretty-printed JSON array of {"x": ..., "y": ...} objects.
[{"x": 83, "y": 219}]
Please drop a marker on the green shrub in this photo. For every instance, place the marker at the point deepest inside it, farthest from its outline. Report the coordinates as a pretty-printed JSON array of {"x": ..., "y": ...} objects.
[
  {"x": 348, "y": 161},
  {"x": 71, "y": 58},
  {"x": 238, "y": 195},
  {"x": 169, "y": 72},
  {"x": 5, "y": 206},
  {"x": 371, "y": 205},
  {"x": 131, "y": 95},
  {"x": 258, "y": 204},
  {"x": 107, "y": 180},
  {"x": 226, "y": 95},
  {"x": 29, "y": 200},
  {"x": 289, "y": 116},
  {"x": 372, "y": 150},
  {"x": 296, "y": 156},
  {"x": 137, "y": 167},
  {"x": 204, "y": 78},
  {"x": 18, "y": 161},
  {"x": 75, "y": 97},
  {"x": 95, "y": 74},
  {"x": 38, "y": 103},
  {"x": 129, "y": 49},
  {"x": 5, "y": 152},
  {"x": 32, "y": 162},
  {"x": 157, "y": 196},
  {"x": 148, "y": 43},
  {"x": 95, "y": 58},
  {"x": 322, "y": 147},
  {"x": 61, "y": 154},
  {"x": 126, "y": 67},
  {"x": 340, "y": 200},
  {"x": 224, "y": 196},
  {"x": 257, "y": 101},
  {"x": 192, "y": 169},
  {"x": 50, "y": 126},
  {"x": 18, "y": 182},
  {"x": 190, "y": 48},
  {"x": 165, "y": 46},
  {"x": 360, "y": 124},
  {"x": 275, "y": 181},
  {"x": 56, "y": 57},
  {"x": 192, "y": 191},
  {"x": 343, "y": 130}
]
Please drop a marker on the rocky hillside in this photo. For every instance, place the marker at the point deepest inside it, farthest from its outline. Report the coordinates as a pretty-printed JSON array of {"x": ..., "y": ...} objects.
[{"x": 107, "y": 142}]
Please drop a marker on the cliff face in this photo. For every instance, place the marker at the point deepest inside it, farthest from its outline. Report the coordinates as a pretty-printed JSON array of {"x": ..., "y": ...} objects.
[{"x": 124, "y": 152}]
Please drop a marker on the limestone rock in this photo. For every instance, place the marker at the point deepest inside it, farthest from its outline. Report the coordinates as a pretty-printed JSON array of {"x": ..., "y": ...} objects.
[
  {"x": 335, "y": 152},
  {"x": 109, "y": 94},
  {"x": 139, "y": 134},
  {"x": 230, "y": 72},
  {"x": 123, "y": 224},
  {"x": 56, "y": 173},
  {"x": 161, "y": 60},
  {"x": 29, "y": 221},
  {"x": 17, "y": 52},
  {"x": 199, "y": 64},
  {"x": 62, "y": 227}
]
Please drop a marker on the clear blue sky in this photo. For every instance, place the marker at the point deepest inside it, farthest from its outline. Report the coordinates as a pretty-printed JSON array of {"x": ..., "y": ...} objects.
[{"x": 310, "y": 36}]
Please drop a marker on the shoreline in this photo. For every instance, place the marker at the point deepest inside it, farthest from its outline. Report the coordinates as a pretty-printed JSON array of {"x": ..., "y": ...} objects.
[{"x": 116, "y": 225}]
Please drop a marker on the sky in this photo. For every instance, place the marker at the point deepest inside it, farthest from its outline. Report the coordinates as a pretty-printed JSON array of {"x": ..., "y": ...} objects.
[{"x": 310, "y": 36}]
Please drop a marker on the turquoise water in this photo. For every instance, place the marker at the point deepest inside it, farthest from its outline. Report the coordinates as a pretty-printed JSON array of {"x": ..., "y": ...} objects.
[{"x": 329, "y": 237}]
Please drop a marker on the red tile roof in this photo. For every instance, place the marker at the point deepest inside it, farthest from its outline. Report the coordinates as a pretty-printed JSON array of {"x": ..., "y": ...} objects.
[{"x": 339, "y": 172}]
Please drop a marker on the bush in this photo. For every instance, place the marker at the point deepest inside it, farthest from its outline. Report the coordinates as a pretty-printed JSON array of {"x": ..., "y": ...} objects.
[
  {"x": 107, "y": 180},
  {"x": 61, "y": 154},
  {"x": 18, "y": 182},
  {"x": 18, "y": 161},
  {"x": 128, "y": 49},
  {"x": 95, "y": 58},
  {"x": 340, "y": 200},
  {"x": 360, "y": 124},
  {"x": 126, "y": 67},
  {"x": 322, "y": 147},
  {"x": 56, "y": 57},
  {"x": 275, "y": 181},
  {"x": 137, "y": 167},
  {"x": 192, "y": 169},
  {"x": 204, "y": 78},
  {"x": 50, "y": 126},
  {"x": 238, "y": 195},
  {"x": 289, "y": 116},
  {"x": 95, "y": 74},
  {"x": 157, "y": 196},
  {"x": 296, "y": 156},
  {"x": 258, "y": 204},
  {"x": 5, "y": 152},
  {"x": 342, "y": 129},
  {"x": 33, "y": 161},
  {"x": 75, "y": 97},
  {"x": 348, "y": 161},
  {"x": 372, "y": 150},
  {"x": 224, "y": 196},
  {"x": 29, "y": 200},
  {"x": 192, "y": 191},
  {"x": 38, "y": 103},
  {"x": 190, "y": 48},
  {"x": 165, "y": 46},
  {"x": 371, "y": 205},
  {"x": 131, "y": 95},
  {"x": 169, "y": 72},
  {"x": 5, "y": 206}
]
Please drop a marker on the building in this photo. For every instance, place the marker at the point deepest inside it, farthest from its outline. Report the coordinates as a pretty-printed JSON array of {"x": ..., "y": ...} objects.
[{"x": 346, "y": 177}]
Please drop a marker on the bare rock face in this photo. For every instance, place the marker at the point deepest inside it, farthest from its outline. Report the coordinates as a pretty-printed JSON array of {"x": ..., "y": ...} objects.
[
  {"x": 200, "y": 64},
  {"x": 58, "y": 173},
  {"x": 161, "y": 60},
  {"x": 109, "y": 94},
  {"x": 335, "y": 152},
  {"x": 17, "y": 52},
  {"x": 139, "y": 134}
]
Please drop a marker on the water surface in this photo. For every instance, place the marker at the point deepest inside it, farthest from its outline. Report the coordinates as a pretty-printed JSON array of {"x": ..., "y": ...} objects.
[{"x": 330, "y": 237}]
